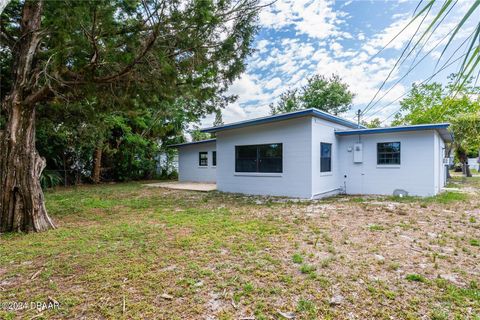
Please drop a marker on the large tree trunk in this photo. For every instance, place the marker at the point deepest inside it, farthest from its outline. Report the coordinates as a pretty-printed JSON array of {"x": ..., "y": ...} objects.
[
  {"x": 97, "y": 164},
  {"x": 462, "y": 156},
  {"x": 22, "y": 206},
  {"x": 467, "y": 171}
]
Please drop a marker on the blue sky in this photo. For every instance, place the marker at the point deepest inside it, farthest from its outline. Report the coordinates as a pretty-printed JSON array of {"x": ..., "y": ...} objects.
[{"x": 301, "y": 38}]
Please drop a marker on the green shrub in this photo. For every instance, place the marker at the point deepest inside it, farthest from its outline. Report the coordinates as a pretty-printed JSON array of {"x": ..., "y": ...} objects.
[
  {"x": 475, "y": 242},
  {"x": 297, "y": 258},
  {"x": 305, "y": 268},
  {"x": 416, "y": 277},
  {"x": 50, "y": 179}
]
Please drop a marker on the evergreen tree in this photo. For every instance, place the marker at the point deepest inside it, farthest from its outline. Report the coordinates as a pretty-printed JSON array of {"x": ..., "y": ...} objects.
[
  {"x": 218, "y": 119},
  {"x": 121, "y": 52}
]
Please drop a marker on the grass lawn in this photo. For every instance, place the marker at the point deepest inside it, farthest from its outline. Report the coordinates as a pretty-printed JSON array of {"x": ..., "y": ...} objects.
[{"x": 126, "y": 251}]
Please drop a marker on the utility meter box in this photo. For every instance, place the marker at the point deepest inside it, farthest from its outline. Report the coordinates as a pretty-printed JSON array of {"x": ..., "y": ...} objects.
[{"x": 357, "y": 153}]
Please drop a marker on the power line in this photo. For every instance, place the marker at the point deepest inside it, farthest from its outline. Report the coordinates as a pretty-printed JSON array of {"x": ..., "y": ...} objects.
[
  {"x": 437, "y": 21},
  {"x": 423, "y": 82},
  {"x": 407, "y": 73},
  {"x": 429, "y": 5},
  {"x": 443, "y": 67},
  {"x": 368, "y": 106},
  {"x": 433, "y": 31}
]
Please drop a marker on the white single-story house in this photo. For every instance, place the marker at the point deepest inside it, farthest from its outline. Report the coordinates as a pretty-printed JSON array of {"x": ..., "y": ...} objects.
[{"x": 312, "y": 154}]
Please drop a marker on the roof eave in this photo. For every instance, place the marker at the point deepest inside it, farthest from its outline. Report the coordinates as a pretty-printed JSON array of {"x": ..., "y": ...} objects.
[
  {"x": 191, "y": 143},
  {"x": 441, "y": 128},
  {"x": 285, "y": 116}
]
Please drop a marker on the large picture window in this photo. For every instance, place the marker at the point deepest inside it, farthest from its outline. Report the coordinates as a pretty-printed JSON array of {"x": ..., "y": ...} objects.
[
  {"x": 388, "y": 153},
  {"x": 325, "y": 157},
  {"x": 203, "y": 159},
  {"x": 259, "y": 158}
]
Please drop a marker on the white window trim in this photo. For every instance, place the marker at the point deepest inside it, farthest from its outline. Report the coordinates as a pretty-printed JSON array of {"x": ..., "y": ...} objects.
[
  {"x": 326, "y": 173},
  {"x": 206, "y": 166},
  {"x": 258, "y": 174},
  {"x": 388, "y": 166},
  {"x": 393, "y": 165}
]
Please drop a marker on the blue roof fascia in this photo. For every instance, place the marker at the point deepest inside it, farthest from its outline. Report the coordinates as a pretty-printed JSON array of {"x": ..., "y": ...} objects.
[
  {"x": 440, "y": 127},
  {"x": 394, "y": 129},
  {"x": 285, "y": 116},
  {"x": 329, "y": 117},
  {"x": 191, "y": 143}
]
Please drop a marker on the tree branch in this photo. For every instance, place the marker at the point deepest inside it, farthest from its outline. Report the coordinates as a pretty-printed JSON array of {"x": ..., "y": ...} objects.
[
  {"x": 37, "y": 96},
  {"x": 7, "y": 38}
]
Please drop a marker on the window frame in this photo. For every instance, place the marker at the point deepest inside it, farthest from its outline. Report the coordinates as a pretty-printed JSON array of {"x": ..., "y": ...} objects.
[
  {"x": 330, "y": 158},
  {"x": 214, "y": 158},
  {"x": 379, "y": 163},
  {"x": 200, "y": 153},
  {"x": 258, "y": 159}
]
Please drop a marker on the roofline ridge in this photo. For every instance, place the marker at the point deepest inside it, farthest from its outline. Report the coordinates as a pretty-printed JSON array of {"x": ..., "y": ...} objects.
[{"x": 285, "y": 116}]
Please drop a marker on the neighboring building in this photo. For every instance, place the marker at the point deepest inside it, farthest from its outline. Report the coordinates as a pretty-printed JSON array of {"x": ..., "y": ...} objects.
[
  {"x": 473, "y": 163},
  {"x": 311, "y": 154},
  {"x": 166, "y": 163}
]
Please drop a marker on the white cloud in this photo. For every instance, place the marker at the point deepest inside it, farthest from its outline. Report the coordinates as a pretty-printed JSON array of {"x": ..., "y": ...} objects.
[
  {"x": 436, "y": 54},
  {"x": 315, "y": 18},
  {"x": 273, "y": 83},
  {"x": 337, "y": 48},
  {"x": 246, "y": 88},
  {"x": 403, "y": 29},
  {"x": 314, "y": 45},
  {"x": 262, "y": 45},
  {"x": 233, "y": 112}
]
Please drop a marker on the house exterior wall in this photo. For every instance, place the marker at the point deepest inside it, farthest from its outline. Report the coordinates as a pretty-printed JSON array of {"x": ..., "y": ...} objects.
[
  {"x": 443, "y": 165},
  {"x": 325, "y": 183},
  {"x": 439, "y": 166},
  {"x": 436, "y": 162},
  {"x": 188, "y": 168},
  {"x": 421, "y": 171},
  {"x": 296, "y": 178},
  {"x": 418, "y": 172}
]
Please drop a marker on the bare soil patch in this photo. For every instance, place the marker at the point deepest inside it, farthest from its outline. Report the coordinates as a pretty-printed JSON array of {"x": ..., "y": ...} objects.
[{"x": 126, "y": 251}]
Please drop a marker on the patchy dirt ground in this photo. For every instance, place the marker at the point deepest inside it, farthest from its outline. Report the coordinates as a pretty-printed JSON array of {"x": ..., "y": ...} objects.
[{"x": 125, "y": 251}]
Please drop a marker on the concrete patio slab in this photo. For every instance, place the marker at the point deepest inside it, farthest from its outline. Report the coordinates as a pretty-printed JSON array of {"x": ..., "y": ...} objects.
[{"x": 193, "y": 186}]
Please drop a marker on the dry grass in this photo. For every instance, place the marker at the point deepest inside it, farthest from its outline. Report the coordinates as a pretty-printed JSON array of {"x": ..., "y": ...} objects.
[{"x": 124, "y": 251}]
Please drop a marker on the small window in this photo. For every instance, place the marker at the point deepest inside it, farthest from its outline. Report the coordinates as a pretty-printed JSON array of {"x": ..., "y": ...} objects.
[
  {"x": 266, "y": 158},
  {"x": 388, "y": 153},
  {"x": 203, "y": 159},
  {"x": 325, "y": 157},
  {"x": 214, "y": 158}
]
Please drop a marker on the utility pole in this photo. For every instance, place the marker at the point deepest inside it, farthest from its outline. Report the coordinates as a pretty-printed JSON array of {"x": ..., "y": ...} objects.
[{"x": 359, "y": 113}]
